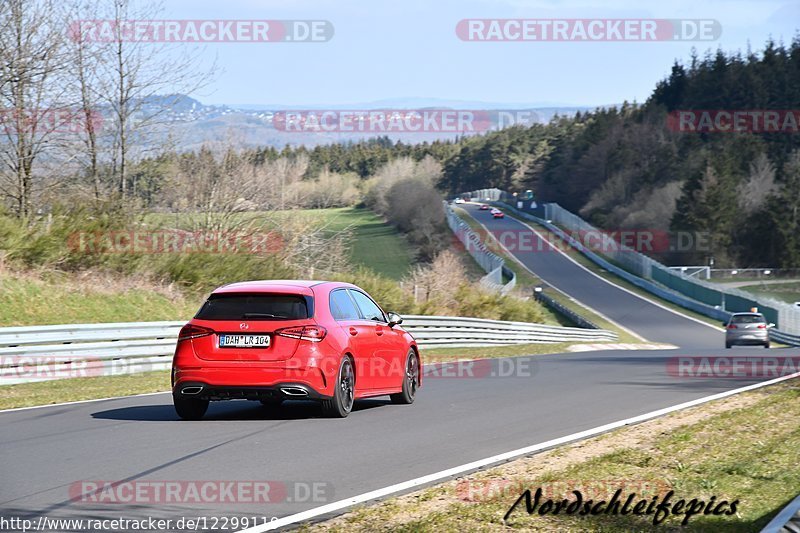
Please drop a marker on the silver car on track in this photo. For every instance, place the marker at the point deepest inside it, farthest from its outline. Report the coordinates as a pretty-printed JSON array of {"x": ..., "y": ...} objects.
[{"x": 747, "y": 329}]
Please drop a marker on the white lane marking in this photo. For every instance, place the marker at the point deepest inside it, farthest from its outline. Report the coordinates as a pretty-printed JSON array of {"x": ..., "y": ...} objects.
[
  {"x": 482, "y": 463},
  {"x": 523, "y": 265},
  {"x": 662, "y": 306},
  {"x": 600, "y": 346},
  {"x": 81, "y": 401}
]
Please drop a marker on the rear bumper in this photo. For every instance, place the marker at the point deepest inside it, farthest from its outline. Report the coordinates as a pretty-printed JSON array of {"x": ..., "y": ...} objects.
[
  {"x": 254, "y": 383},
  {"x": 750, "y": 340},
  {"x": 283, "y": 391}
]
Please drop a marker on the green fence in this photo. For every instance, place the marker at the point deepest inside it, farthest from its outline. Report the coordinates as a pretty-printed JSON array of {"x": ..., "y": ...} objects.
[
  {"x": 686, "y": 287},
  {"x": 694, "y": 290}
]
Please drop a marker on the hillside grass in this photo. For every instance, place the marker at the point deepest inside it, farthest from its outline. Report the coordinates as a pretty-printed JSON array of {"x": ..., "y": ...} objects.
[
  {"x": 788, "y": 292},
  {"x": 27, "y": 300},
  {"x": 375, "y": 243}
]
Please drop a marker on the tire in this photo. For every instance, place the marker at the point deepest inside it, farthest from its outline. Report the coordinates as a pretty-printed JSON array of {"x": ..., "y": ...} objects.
[
  {"x": 343, "y": 392},
  {"x": 728, "y": 345},
  {"x": 410, "y": 381},
  {"x": 766, "y": 345},
  {"x": 190, "y": 408}
]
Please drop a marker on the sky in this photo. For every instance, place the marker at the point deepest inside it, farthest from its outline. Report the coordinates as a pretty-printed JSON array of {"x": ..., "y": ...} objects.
[{"x": 387, "y": 49}]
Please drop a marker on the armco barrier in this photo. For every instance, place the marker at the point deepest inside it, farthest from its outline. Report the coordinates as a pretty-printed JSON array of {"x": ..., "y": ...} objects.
[
  {"x": 661, "y": 292},
  {"x": 493, "y": 264},
  {"x": 43, "y": 353},
  {"x": 787, "y": 317},
  {"x": 784, "y": 338},
  {"x": 576, "y": 319},
  {"x": 786, "y": 521}
]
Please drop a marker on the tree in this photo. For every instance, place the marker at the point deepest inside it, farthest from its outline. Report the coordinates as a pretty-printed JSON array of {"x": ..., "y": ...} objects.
[
  {"x": 31, "y": 102},
  {"x": 140, "y": 82}
]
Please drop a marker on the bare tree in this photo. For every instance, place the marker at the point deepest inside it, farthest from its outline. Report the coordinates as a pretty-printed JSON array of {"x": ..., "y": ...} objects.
[
  {"x": 31, "y": 99},
  {"x": 760, "y": 184},
  {"x": 436, "y": 283},
  {"x": 329, "y": 189},
  {"x": 141, "y": 81},
  {"x": 84, "y": 82}
]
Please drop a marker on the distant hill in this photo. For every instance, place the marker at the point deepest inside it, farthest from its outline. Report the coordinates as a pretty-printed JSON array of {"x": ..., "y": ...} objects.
[{"x": 189, "y": 123}]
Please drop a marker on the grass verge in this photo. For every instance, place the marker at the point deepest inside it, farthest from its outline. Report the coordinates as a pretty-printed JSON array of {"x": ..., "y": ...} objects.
[
  {"x": 73, "y": 390},
  {"x": 375, "y": 243},
  {"x": 58, "y": 298},
  {"x": 745, "y": 447},
  {"x": 788, "y": 292}
]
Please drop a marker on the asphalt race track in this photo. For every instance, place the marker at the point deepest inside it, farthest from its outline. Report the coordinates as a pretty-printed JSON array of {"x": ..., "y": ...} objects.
[
  {"x": 455, "y": 420},
  {"x": 653, "y": 323}
]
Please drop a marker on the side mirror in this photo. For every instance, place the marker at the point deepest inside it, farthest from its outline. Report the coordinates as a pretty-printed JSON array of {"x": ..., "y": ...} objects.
[{"x": 394, "y": 319}]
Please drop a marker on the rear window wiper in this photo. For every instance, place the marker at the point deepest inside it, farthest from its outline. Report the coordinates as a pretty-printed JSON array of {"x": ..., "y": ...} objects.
[{"x": 262, "y": 315}]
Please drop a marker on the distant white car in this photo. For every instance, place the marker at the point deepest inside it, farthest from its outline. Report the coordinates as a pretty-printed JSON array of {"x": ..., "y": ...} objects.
[{"x": 460, "y": 201}]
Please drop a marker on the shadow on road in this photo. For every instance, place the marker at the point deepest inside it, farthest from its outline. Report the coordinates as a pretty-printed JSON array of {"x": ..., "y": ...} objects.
[{"x": 232, "y": 410}]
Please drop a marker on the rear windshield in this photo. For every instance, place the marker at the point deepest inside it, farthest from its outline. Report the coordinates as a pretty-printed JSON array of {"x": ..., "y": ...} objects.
[
  {"x": 254, "y": 307},
  {"x": 747, "y": 319}
]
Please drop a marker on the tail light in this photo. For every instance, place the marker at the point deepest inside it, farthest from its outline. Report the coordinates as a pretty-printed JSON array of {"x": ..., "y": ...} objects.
[
  {"x": 731, "y": 326},
  {"x": 191, "y": 331},
  {"x": 762, "y": 326},
  {"x": 304, "y": 333}
]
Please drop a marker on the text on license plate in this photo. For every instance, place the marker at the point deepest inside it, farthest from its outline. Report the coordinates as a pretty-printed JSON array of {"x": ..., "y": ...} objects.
[{"x": 243, "y": 341}]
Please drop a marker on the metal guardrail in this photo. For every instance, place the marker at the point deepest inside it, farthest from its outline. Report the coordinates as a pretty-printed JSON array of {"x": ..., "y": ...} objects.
[
  {"x": 43, "y": 353},
  {"x": 493, "y": 264},
  {"x": 571, "y": 315},
  {"x": 784, "y": 338},
  {"x": 727, "y": 299},
  {"x": 661, "y": 292},
  {"x": 786, "y": 521},
  {"x": 651, "y": 287},
  {"x": 443, "y": 331}
]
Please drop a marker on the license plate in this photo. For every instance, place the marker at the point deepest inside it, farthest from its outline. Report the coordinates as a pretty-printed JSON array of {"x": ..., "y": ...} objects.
[{"x": 243, "y": 341}]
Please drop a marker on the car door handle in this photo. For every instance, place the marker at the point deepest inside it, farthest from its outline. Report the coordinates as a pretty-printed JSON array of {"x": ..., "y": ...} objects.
[{"x": 353, "y": 332}]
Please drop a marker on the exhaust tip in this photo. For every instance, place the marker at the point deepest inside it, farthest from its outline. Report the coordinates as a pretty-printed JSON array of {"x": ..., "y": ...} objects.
[
  {"x": 192, "y": 390},
  {"x": 294, "y": 391}
]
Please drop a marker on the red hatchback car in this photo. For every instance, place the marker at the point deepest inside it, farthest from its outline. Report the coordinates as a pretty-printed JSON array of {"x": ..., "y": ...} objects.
[{"x": 272, "y": 341}]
